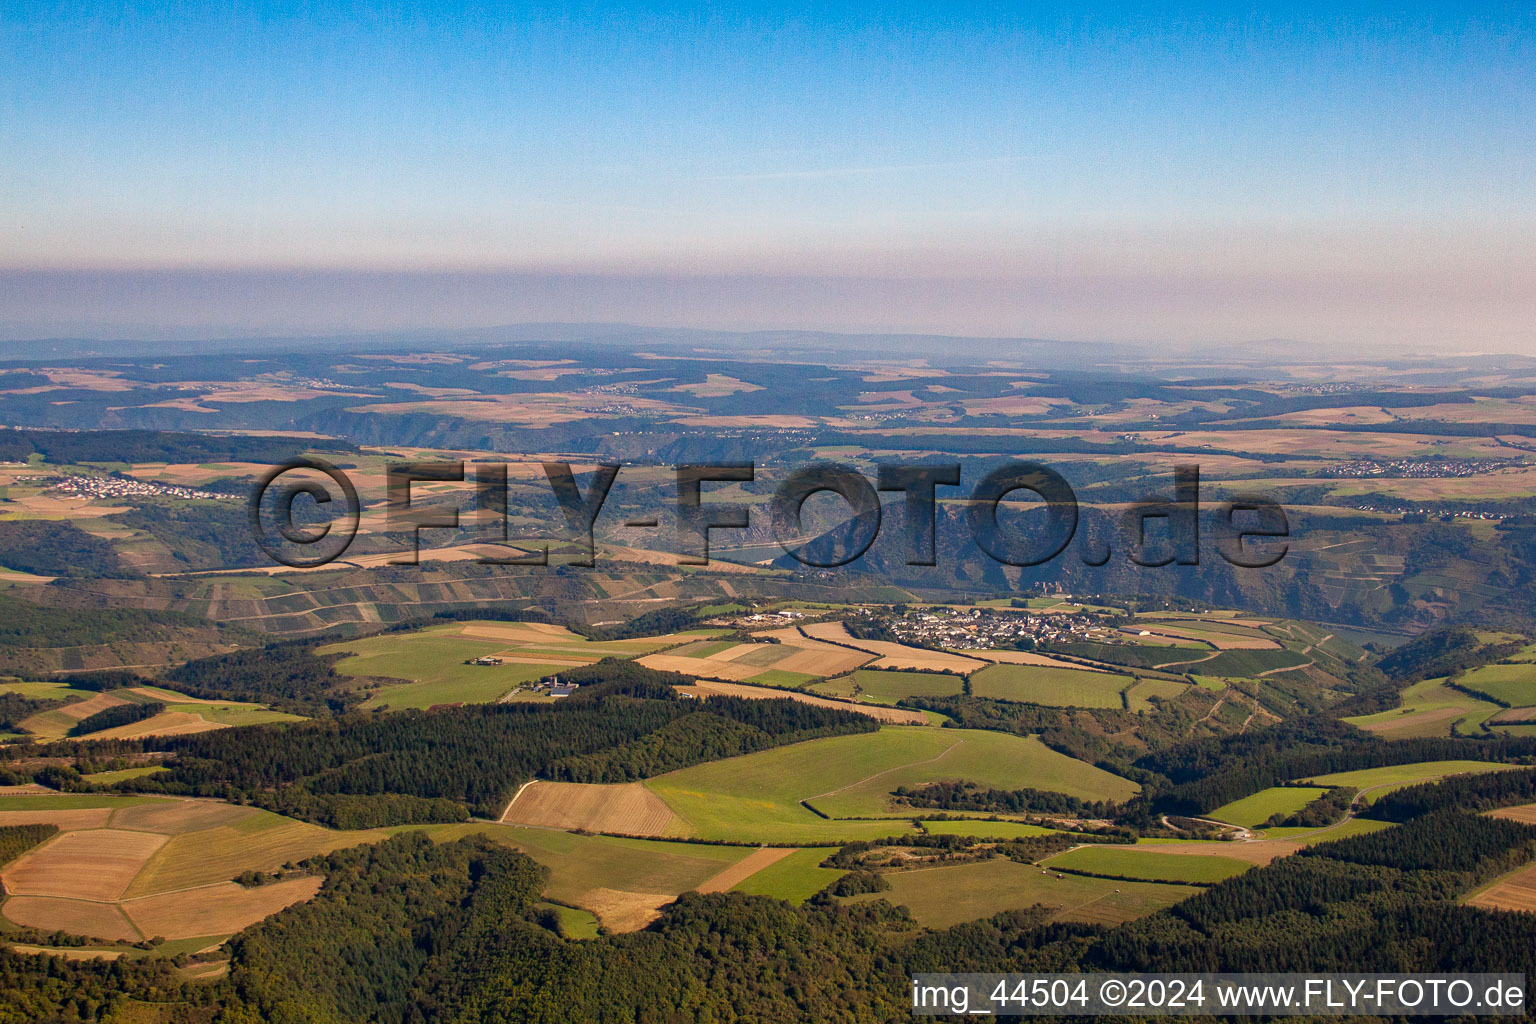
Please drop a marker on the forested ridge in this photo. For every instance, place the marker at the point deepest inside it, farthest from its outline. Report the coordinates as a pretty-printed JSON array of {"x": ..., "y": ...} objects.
[
  {"x": 49, "y": 547},
  {"x": 631, "y": 725},
  {"x": 63, "y": 447},
  {"x": 24, "y": 624},
  {"x": 286, "y": 675}
]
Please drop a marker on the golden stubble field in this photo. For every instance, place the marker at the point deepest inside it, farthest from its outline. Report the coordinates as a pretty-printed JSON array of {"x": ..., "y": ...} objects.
[{"x": 132, "y": 868}]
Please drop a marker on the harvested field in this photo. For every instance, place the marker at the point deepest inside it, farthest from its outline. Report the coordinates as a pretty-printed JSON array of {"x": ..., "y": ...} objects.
[
  {"x": 1429, "y": 708},
  {"x": 745, "y": 868},
  {"x": 261, "y": 842},
  {"x": 91, "y": 705},
  {"x": 219, "y": 909},
  {"x": 166, "y": 723},
  {"x": 78, "y": 917},
  {"x": 892, "y": 716},
  {"x": 172, "y": 697},
  {"x": 628, "y": 808},
  {"x": 520, "y": 632},
  {"x": 172, "y": 816},
  {"x": 733, "y": 662},
  {"x": 624, "y": 911},
  {"x": 65, "y": 818},
  {"x": 894, "y": 655},
  {"x": 623, "y": 881},
  {"x": 1418, "y": 723},
  {"x": 700, "y": 667},
  {"x": 97, "y": 864},
  {"x": 1525, "y": 813},
  {"x": 1514, "y": 891}
]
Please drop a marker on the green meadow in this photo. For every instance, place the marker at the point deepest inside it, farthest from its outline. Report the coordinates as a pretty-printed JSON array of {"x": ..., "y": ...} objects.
[
  {"x": 788, "y": 794},
  {"x": 1050, "y": 686}
]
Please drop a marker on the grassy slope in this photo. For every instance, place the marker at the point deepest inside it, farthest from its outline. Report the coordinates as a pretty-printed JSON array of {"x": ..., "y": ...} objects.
[
  {"x": 944, "y": 896},
  {"x": 758, "y": 797},
  {"x": 1055, "y": 687},
  {"x": 1381, "y": 781},
  {"x": 1429, "y": 708},
  {"x": 796, "y": 877},
  {"x": 1252, "y": 811},
  {"x": 1151, "y": 867}
]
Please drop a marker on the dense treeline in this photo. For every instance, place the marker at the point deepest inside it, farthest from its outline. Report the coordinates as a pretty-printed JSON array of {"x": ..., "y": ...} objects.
[
  {"x": 378, "y": 810},
  {"x": 968, "y": 796},
  {"x": 118, "y": 714},
  {"x": 1204, "y": 774},
  {"x": 15, "y": 709},
  {"x": 50, "y": 547},
  {"x": 38, "y": 989},
  {"x": 729, "y": 727},
  {"x": 62, "y": 447},
  {"x": 103, "y": 680},
  {"x": 494, "y": 613},
  {"x": 1439, "y": 841},
  {"x": 628, "y": 726},
  {"x": 16, "y": 840},
  {"x": 360, "y": 950},
  {"x": 208, "y": 534},
  {"x": 1325, "y": 810},
  {"x": 1474, "y": 793},
  {"x": 662, "y": 620},
  {"x": 286, "y": 675}
]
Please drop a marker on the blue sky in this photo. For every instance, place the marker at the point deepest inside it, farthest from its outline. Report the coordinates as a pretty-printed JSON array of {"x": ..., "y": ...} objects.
[{"x": 1197, "y": 172}]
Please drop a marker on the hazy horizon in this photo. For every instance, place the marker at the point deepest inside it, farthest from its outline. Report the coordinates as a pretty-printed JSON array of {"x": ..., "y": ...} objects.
[{"x": 1088, "y": 174}]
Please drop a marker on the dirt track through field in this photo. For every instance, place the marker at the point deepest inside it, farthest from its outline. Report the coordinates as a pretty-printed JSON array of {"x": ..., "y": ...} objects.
[{"x": 745, "y": 868}]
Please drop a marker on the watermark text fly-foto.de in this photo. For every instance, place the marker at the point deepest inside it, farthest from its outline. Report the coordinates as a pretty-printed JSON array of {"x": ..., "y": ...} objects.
[{"x": 1248, "y": 530}]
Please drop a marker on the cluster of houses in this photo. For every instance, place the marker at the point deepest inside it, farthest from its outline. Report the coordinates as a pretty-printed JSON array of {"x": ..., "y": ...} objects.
[
  {"x": 760, "y": 620},
  {"x": 127, "y": 487},
  {"x": 986, "y": 629}
]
